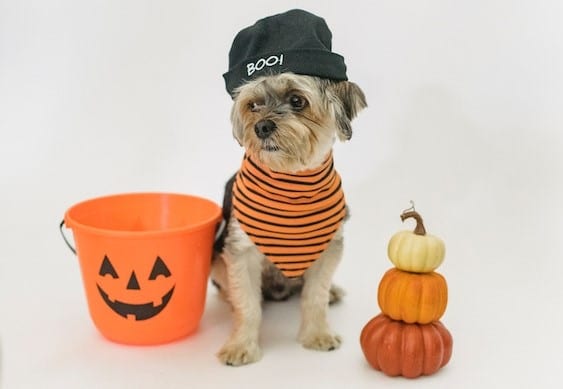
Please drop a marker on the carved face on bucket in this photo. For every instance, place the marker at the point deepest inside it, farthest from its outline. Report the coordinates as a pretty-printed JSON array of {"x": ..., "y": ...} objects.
[{"x": 136, "y": 294}]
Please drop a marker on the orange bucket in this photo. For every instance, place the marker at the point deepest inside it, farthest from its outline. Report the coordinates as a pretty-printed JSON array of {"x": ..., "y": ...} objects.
[{"x": 144, "y": 259}]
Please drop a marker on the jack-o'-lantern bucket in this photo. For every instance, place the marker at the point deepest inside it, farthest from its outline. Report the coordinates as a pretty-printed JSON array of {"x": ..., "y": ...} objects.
[{"x": 144, "y": 259}]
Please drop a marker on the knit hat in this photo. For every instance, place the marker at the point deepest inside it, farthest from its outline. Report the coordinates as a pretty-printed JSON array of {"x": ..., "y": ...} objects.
[{"x": 296, "y": 41}]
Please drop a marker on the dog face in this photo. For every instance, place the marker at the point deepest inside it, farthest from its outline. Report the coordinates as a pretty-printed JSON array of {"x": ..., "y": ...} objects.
[{"x": 289, "y": 122}]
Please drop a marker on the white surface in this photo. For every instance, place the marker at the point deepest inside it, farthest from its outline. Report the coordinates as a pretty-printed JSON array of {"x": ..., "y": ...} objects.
[{"x": 465, "y": 118}]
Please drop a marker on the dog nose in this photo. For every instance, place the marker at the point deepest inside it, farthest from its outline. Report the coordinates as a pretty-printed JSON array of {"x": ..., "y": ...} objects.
[{"x": 264, "y": 128}]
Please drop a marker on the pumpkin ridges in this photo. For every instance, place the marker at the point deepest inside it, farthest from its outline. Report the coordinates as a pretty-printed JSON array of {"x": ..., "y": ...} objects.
[
  {"x": 413, "y": 351},
  {"x": 371, "y": 334},
  {"x": 447, "y": 342},
  {"x": 375, "y": 332},
  {"x": 434, "y": 298},
  {"x": 434, "y": 346},
  {"x": 427, "y": 249},
  {"x": 429, "y": 299},
  {"x": 387, "y": 294},
  {"x": 436, "y": 249},
  {"x": 393, "y": 247},
  {"x": 410, "y": 246},
  {"x": 382, "y": 291},
  {"x": 407, "y": 300},
  {"x": 390, "y": 359},
  {"x": 399, "y": 247},
  {"x": 444, "y": 296}
]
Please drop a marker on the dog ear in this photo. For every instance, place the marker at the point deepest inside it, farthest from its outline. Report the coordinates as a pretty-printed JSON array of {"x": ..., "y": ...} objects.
[
  {"x": 351, "y": 100},
  {"x": 236, "y": 121}
]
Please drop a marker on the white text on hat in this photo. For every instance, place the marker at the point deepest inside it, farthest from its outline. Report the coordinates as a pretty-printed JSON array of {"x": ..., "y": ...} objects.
[{"x": 272, "y": 60}]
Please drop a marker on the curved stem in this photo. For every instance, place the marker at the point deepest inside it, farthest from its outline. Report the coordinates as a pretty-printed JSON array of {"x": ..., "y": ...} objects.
[{"x": 419, "y": 229}]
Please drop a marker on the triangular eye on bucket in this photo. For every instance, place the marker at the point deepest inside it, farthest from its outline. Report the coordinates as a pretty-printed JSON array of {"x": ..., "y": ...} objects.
[
  {"x": 159, "y": 269},
  {"x": 107, "y": 268}
]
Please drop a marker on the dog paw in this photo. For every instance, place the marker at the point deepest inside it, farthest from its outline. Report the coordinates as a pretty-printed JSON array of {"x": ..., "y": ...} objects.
[
  {"x": 322, "y": 342},
  {"x": 238, "y": 354}
]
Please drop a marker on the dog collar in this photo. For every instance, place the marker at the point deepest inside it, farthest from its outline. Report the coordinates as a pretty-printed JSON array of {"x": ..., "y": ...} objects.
[{"x": 290, "y": 217}]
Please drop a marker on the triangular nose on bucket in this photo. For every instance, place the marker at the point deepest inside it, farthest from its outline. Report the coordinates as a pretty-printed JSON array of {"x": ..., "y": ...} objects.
[
  {"x": 156, "y": 289},
  {"x": 133, "y": 284}
]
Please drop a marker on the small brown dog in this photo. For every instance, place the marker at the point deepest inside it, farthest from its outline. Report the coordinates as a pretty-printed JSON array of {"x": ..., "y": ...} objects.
[{"x": 285, "y": 207}]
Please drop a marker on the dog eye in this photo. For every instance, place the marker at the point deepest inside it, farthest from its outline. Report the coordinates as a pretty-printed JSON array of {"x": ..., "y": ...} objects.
[
  {"x": 254, "y": 106},
  {"x": 297, "y": 102}
]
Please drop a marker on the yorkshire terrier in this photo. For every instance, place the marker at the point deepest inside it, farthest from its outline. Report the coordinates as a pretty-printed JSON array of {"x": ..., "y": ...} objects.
[{"x": 284, "y": 208}]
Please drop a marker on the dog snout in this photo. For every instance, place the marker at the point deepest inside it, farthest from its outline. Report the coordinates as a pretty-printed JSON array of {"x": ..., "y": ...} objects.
[{"x": 264, "y": 128}]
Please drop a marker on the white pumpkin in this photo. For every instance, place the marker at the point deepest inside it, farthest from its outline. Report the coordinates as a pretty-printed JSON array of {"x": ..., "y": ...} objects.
[{"x": 416, "y": 251}]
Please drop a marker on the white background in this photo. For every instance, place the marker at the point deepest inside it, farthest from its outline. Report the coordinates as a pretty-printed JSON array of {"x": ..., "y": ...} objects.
[{"x": 465, "y": 118}]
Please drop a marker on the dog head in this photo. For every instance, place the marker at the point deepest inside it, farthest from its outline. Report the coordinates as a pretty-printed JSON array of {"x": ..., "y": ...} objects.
[{"x": 289, "y": 122}]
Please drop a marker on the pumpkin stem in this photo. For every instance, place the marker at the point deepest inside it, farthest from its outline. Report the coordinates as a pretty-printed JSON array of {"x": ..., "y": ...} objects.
[{"x": 419, "y": 229}]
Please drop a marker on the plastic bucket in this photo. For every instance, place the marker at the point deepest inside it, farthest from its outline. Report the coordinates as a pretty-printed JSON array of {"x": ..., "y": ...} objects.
[{"x": 144, "y": 259}]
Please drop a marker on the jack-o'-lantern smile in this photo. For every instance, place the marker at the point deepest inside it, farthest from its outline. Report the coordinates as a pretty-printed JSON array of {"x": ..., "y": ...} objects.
[{"x": 137, "y": 311}]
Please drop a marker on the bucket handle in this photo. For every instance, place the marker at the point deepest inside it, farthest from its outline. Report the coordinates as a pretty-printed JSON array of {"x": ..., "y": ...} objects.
[{"x": 65, "y": 239}]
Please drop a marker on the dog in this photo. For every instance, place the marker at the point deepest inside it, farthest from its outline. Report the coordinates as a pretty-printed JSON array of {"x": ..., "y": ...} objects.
[{"x": 283, "y": 210}]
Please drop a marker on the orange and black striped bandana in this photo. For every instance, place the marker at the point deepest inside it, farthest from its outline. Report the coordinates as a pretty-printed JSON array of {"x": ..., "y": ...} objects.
[{"x": 290, "y": 217}]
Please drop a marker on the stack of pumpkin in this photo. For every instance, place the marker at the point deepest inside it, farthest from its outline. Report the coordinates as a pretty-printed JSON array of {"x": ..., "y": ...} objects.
[{"x": 407, "y": 338}]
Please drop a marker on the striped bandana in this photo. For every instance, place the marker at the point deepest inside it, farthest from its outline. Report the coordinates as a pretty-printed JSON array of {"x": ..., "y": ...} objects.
[{"x": 290, "y": 217}]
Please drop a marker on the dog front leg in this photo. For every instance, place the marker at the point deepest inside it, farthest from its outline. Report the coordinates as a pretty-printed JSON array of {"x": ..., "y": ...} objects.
[
  {"x": 244, "y": 277},
  {"x": 315, "y": 332}
]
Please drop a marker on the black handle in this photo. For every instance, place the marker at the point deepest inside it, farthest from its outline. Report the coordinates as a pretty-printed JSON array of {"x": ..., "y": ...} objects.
[{"x": 65, "y": 239}]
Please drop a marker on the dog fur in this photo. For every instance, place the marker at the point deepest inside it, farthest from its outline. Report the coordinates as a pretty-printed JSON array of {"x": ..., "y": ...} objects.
[{"x": 307, "y": 114}]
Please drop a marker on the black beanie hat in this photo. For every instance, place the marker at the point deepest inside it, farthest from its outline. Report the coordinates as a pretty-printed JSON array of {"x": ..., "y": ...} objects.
[{"x": 296, "y": 41}]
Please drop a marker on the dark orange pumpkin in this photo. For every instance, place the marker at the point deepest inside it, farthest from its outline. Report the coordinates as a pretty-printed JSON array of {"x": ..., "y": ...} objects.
[
  {"x": 411, "y": 350},
  {"x": 413, "y": 297}
]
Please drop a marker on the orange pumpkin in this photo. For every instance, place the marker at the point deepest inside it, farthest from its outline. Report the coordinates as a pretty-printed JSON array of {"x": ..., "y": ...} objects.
[
  {"x": 411, "y": 350},
  {"x": 413, "y": 297}
]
